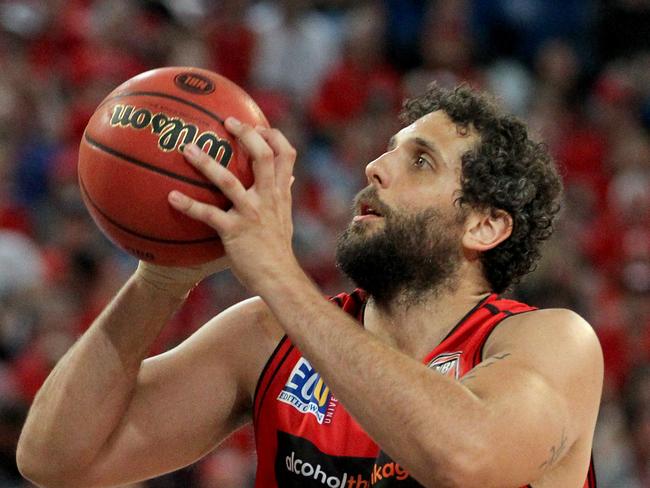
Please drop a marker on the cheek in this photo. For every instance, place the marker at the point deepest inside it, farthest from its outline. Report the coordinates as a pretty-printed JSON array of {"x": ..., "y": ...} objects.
[{"x": 417, "y": 199}]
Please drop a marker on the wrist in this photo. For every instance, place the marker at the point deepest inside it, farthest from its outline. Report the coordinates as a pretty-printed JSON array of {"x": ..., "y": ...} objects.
[
  {"x": 281, "y": 279},
  {"x": 159, "y": 281}
]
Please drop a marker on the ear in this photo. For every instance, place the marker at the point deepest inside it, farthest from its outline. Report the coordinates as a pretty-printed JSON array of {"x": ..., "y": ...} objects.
[{"x": 486, "y": 230}]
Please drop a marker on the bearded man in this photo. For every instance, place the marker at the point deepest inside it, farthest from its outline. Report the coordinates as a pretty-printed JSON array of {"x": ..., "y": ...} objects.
[{"x": 423, "y": 376}]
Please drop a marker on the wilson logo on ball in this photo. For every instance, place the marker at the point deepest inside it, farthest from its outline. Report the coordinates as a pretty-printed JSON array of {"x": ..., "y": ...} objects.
[
  {"x": 173, "y": 133},
  {"x": 194, "y": 83}
]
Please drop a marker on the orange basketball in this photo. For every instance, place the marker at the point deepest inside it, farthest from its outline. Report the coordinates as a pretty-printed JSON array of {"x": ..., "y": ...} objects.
[{"x": 130, "y": 158}]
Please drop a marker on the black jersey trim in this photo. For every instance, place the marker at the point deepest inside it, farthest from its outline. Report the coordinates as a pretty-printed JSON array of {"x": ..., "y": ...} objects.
[
  {"x": 506, "y": 314},
  {"x": 263, "y": 375},
  {"x": 591, "y": 474},
  {"x": 360, "y": 297},
  {"x": 362, "y": 313},
  {"x": 496, "y": 310},
  {"x": 467, "y": 316},
  {"x": 268, "y": 364}
]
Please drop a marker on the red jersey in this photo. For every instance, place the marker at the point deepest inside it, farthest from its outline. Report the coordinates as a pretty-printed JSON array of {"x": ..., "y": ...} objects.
[{"x": 305, "y": 437}]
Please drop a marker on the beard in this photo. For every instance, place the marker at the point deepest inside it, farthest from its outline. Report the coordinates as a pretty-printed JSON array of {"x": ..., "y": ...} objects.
[{"x": 414, "y": 256}]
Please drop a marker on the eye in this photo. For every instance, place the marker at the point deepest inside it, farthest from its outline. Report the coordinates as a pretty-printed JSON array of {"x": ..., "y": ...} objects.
[{"x": 421, "y": 162}]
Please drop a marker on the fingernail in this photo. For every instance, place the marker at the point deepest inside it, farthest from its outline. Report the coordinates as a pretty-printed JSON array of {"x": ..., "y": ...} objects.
[
  {"x": 175, "y": 197},
  {"x": 233, "y": 122},
  {"x": 192, "y": 150}
]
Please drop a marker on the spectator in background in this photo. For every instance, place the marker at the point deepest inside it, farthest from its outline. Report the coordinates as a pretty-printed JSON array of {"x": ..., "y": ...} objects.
[
  {"x": 362, "y": 80},
  {"x": 231, "y": 40},
  {"x": 12, "y": 416},
  {"x": 637, "y": 413},
  {"x": 445, "y": 47},
  {"x": 295, "y": 46}
]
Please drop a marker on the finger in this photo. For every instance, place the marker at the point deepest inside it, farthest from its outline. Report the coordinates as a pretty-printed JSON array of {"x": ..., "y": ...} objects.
[
  {"x": 259, "y": 150},
  {"x": 208, "y": 214},
  {"x": 285, "y": 154},
  {"x": 222, "y": 177}
]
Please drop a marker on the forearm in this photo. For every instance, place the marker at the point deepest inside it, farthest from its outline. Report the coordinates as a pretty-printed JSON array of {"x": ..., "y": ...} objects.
[
  {"x": 409, "y": 410},
  {"x": 88, "y": 391}
]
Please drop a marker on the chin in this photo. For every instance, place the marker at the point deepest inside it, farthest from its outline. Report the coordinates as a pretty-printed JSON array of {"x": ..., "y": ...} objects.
[{"x": 362, "y": 232}]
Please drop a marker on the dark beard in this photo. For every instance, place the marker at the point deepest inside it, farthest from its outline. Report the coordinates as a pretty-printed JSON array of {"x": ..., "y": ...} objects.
[{"x": 412, "y": 257}]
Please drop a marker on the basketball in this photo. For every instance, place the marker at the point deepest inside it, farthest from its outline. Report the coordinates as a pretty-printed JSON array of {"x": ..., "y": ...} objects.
[{"x": 130, "y": 158}]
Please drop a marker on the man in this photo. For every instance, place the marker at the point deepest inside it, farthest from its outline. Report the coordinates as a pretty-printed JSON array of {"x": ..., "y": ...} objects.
[{"x": 443, "y": 384}]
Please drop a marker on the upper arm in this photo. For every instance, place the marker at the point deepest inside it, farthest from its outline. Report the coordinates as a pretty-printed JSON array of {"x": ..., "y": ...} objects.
[
  {"x": 540, "y": 385},
  {"x": 190, "y": 398}
]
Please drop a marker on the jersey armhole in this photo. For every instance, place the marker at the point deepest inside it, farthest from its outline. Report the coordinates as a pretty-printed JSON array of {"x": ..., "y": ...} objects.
[
  {"x": 264, "y": 381},
  {"x": 506, "y": 314}
]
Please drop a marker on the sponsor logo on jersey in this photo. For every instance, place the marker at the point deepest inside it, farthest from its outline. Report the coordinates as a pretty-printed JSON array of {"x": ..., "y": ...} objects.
[
  {"x": 306, "y": 392},
  {"x": 314, "y": 471},
  {"x": 447, "y": 364},
  {"x": 299, "y": 463}
]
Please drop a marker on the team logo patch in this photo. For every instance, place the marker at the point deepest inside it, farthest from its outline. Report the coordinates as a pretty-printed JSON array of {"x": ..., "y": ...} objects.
[
  {"x": 306, "y": 392},
  {"x": 447, "y": 364}
]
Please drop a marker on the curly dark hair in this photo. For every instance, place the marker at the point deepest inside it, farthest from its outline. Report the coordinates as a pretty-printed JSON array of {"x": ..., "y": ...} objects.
[{"x": 505, "y": 170}]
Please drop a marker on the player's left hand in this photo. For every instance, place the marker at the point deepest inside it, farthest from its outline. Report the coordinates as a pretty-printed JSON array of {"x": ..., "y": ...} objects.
[{"x": 256, "y": 231}]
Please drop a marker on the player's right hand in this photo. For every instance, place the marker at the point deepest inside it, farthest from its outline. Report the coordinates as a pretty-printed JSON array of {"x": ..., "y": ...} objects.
[{"x": 178, "y": 280}]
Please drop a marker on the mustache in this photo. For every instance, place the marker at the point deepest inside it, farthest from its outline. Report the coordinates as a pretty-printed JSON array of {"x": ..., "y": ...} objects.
[{"x": 368, "y": 196}]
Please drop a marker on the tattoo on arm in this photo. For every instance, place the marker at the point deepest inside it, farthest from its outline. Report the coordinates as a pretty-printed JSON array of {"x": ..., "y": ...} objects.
[
  {"x": 486, "y": 364},
  {"x": 555, "y": 452}
]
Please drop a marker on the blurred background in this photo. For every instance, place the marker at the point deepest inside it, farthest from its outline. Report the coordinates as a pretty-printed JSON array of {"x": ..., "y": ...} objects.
[{"x": 331, "y": 74}]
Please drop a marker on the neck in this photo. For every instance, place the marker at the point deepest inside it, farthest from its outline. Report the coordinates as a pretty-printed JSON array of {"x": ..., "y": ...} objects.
[{"x": 415, "y": 327}]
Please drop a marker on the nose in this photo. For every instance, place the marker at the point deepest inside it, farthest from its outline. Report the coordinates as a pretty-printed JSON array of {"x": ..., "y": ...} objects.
[{"x": 378, "y": 173}]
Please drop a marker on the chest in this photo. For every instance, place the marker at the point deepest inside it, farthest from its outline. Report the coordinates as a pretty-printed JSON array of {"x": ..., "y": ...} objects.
[{"x": 299, "y": 402}]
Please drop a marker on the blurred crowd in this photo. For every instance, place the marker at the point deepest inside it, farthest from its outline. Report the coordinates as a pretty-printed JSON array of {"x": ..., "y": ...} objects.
[{"x": 332, "y": 75}]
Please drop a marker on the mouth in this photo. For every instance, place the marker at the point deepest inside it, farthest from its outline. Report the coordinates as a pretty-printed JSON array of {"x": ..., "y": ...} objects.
[
  {"x": 366, "y": 212},
  {"x": 366, "y": 209}
]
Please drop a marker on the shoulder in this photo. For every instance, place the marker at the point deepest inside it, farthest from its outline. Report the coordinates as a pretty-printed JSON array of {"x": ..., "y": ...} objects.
[
  {"x": 557, "y": 343},
  {"x": 556, "y": 328},
  {"x": 560, "y": 350}
]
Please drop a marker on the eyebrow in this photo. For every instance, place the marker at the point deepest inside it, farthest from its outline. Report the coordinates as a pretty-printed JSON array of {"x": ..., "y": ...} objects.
[
  {"x": 422, "y": 143},
  {"x": 429, "y": 146}
]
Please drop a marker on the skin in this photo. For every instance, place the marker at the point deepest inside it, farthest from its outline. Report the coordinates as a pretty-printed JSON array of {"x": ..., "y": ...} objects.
[{"x": 107, "y": 416}]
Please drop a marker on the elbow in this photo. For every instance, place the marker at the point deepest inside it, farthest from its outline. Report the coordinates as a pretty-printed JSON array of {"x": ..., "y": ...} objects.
[
  {"x": 30, "y": 468},
  {"x": 34, "y": 470},
  {"x": 48, "y": 479},
  {"x": 42, "y": 471},
  {"x": 457, "y": 468},
  {"x": 467, "y": 473},
  {"x": 454, "y": 472},
  {"x": 27, "y": 464}
]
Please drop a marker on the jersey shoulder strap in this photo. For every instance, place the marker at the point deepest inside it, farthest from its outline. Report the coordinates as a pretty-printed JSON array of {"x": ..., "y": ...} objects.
[{"x": 353, "y": 303}]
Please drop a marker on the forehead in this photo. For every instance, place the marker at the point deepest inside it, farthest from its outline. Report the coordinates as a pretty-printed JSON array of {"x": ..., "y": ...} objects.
[{"x": 450, "y": 140}]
